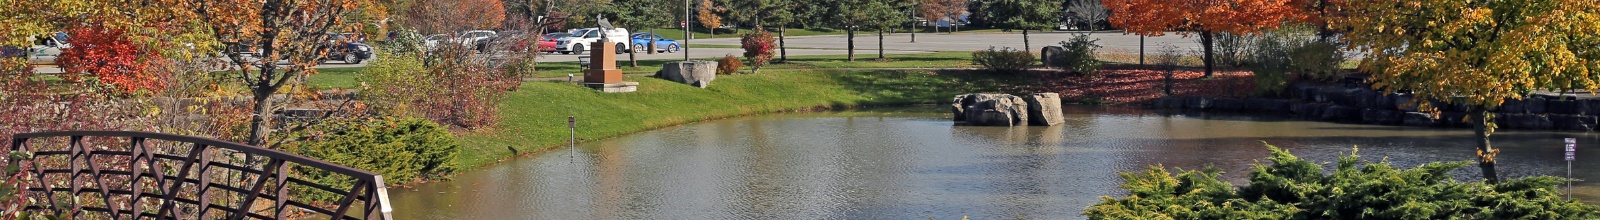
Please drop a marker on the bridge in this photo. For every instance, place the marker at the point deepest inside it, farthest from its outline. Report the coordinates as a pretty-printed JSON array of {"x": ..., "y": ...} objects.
[{"x": 136, "y": 175}]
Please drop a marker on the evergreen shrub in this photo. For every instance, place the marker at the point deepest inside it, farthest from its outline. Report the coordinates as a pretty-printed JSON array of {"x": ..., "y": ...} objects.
[
  {"x": 1293, "y": 188},
  {"x": 1004, "y": 60}
]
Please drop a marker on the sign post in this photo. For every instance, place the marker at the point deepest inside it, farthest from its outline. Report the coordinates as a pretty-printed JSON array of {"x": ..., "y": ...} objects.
[
  {"x": 572, "y": 124},
  {"x": 1572, "y": 149}
]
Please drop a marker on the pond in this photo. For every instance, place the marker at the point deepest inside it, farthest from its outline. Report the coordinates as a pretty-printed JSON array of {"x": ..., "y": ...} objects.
[{"x": 913, "y": 163}]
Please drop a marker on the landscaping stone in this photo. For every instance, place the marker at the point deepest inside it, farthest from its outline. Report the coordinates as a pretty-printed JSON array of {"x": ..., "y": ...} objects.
[
  {"x": 698, "y": 73},
  {"x": 1049, "y": 54},
  {"x": 1339, "y": 113},
  {"x": 1573, "y": 122},
  {"x": 1523, "y": 121},
  {"x": 1382, "y": 117},
  {"x": 994, "y": 110},
  {"x": 1419, "y": 119},
  {"x": 1044, "y": 109},
  {"x": 1568, "y": 107},
  {"x": 1227, "y": 104}
]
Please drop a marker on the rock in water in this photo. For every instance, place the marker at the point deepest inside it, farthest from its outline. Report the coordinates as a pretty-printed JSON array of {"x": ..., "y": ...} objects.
[
  {"x": 991, "y": 109},
  {"x": 1044, "y": 109},
  {"x": 698, "y": 73}
]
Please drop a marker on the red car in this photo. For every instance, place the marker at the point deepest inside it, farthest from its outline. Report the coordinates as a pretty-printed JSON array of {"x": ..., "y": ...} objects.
[{"x": 547, "y": 44}]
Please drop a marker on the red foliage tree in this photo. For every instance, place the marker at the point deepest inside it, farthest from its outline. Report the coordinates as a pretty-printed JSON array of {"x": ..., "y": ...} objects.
[
  {"x": 107, "y": 54},
  {"x": 757, "y": 48},
  {"x": 1202, "y": 17}
]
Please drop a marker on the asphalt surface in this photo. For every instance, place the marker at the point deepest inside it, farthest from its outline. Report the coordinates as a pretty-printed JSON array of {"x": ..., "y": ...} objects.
[{"x": 867, "y": 44}]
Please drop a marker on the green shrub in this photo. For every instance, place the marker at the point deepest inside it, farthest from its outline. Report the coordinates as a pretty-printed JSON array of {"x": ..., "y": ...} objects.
[
  {"x": 728, "y": 65},
  {"x": 1270, "y": 62},
  {"x": 1232, "y": 49},
  {"x": 1078, "y": 55},
  {"x": 1292, "y": 188},
  {"x": 1003, "y": 61},
  {"x": 1317, "y": 60},
  {"x": 403, "y": 150}
]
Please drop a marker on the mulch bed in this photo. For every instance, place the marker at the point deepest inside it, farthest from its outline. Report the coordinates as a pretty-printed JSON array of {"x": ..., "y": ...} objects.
[{"x": 1138, "y": 85}]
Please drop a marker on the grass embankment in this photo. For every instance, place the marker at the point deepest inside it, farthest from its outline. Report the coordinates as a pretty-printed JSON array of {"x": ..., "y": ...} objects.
[{"x": 533, "y": 118}]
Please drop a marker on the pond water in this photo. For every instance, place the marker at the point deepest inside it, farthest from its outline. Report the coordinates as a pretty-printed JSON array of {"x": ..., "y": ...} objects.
[{"x": 913, "y": 163}]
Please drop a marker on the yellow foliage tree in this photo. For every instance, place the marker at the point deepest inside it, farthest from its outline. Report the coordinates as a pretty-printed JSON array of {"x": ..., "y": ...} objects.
[{"x": 1479, "y": 53}]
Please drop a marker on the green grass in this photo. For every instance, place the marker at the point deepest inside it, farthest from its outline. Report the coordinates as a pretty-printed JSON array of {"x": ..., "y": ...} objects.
[
  {"x": 533, "y": 117},
  {"x": 342, "y": 77}
]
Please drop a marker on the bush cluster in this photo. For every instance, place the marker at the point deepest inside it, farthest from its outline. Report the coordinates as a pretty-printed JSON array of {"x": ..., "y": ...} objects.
[
  {"x": 729, "y": 65},
  {"x": 1078, "y": 55},
  {"x": 1293, "y": 188},
  {"x": 1292, "y": 54},
  {"x": 403, "y": 150},
  {"x": 758, "y": 48},
  {"x": 408, "y": 84},
  {"x": 1004, "y": 60}
]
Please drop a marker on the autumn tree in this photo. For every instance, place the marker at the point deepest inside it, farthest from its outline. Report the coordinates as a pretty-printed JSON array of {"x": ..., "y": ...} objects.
[
  {"x": 935, "y": 10},
  {"x": 449, "y": 16},
  {"x": 708, "y": 16},
  {"x": 1021, "y": 14},
  {"x": 884, "y": 15},
  {"x": 281, "y": 30},
  {"x": 1090, "y": 11},
  {"x": 1475, "y": 53},
  {"x": 1200, "y": 17}
]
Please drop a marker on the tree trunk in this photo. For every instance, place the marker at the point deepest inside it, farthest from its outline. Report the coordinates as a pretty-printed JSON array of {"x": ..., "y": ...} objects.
[
  {"x": 880, "y": 44},
  {"x": 850, "y": 44},
  {"x": 631, "y": 61},
  {"x": 1481, "y": 117},
  {"x": 1025, "y": 45},
  {"x": 261, "y": 117},
  {"x": 783, "y": 53},
  {"x": 1206, "y": 40},
  {"x": 652, "y": 46},
  {"x": 1141, "y": 49}
]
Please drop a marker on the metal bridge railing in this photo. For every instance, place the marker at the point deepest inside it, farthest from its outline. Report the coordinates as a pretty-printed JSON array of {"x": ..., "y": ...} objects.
[{"x": 135, "y": 175}]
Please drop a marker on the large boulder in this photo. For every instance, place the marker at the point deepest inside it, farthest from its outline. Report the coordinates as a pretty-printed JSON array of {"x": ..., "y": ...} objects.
[
  {"x": 992, "y": 109},
  {"x": 1044, "y": 109},
  {"x": 698, "y": 73}
]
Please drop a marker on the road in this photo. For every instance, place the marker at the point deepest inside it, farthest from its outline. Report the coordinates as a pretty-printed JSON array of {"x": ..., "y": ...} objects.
[{"x": 867, "y": 44}]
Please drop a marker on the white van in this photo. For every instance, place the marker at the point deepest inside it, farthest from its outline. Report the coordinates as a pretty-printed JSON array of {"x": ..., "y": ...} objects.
[{"x": 582, "y": 38}]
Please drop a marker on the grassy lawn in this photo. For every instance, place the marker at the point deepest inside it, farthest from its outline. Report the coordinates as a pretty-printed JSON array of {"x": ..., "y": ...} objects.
[
  {"x": 343, "y": 77},
  {"x": 533, "y": 117}
]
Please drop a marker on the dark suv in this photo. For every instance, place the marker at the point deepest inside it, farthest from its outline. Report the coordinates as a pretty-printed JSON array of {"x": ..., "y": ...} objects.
[{"x": 348, "y": 50}]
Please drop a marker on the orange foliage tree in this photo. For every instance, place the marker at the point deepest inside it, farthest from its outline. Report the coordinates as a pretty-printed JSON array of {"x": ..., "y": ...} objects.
[
  {"x": 708, "y": 16},
  {"x": 282, "y": 30},
  {"x": 1201, "y": 17},
  {"x": 448, "y": 16}
]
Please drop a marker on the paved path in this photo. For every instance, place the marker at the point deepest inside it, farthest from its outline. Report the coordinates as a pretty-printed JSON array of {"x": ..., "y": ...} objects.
[{"x": 867, "y": 44}]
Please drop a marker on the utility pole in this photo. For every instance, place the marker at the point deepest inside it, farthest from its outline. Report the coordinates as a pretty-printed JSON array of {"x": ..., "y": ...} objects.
[{"x": 685, "y": 30}]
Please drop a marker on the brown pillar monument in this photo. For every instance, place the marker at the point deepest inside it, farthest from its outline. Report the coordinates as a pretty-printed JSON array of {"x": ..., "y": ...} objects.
[{"x": 603, "y": 64}]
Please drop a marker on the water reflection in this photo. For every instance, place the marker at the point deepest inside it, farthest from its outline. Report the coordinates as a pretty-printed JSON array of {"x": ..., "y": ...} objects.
[{"x": 903, "y": 164}]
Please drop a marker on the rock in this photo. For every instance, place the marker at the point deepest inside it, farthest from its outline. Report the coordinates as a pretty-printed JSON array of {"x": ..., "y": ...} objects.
[
  {"x": 1535, "y": 105},
  {"x": 1523, "y": 121},
  {"x": 1197, "y": 103},
  {"x": 1593, "y": 106},
  {"x": 1050, "y": 55},
  {"x": 1044, "y": 109},
  {"x": 1227, "y": 104},
  {"x": 1566, "y": 107},
  {"x": 698, "y": 73},
  {"x": 1267, "y": 105},
  {"x": 958, "y": 107},
  {"x": 1337, "y": 113},
  {"x": 1454, "y": 119},
  {"x": 1379, "y": 116},
  {"x": 994, "y": 110},
  {"x": 1404, "y": 103},
  {"x": 1418, "y": 119},
  {"x": 1573, "y": 122}
]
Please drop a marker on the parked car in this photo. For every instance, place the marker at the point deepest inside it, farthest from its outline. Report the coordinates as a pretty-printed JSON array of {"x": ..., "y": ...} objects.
[
  {"x": 521, "y": 41},
  {"x": 477, "y": 39},
  {"x": 346, "y": 49},
  {"x": 46, "y": 48},
  {"x": 641, "y": 42},
  {"x": 357, "y": 37},
  {"x": 582, "y": 38},
  {"x": 432, "y": 41}
]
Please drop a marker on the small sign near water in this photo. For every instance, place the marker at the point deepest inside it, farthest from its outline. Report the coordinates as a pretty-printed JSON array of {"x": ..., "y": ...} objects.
[{"x": 1572, "y": 148}]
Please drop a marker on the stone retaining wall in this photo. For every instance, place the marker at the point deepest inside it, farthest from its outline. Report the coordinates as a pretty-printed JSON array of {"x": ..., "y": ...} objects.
[{"x": 1353, "y": 104}]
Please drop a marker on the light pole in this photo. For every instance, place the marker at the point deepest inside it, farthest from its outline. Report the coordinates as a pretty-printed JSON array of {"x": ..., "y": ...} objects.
[{"x": 685, "y": 30}]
